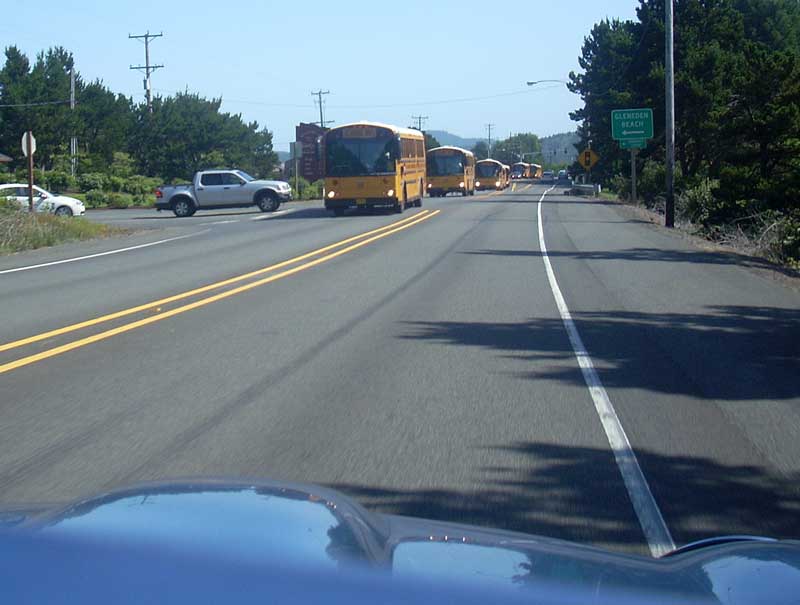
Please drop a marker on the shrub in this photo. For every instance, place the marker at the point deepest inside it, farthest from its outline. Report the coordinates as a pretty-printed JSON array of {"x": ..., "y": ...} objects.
[
  {"x": 95, "y": 198},
  {"x": 57, "y": 180},
  {"x": 116, "y": 183},
  {"x": 93, "y": 180},
  {"x": 651, "y": 182},
  {"x": 621, "y": 186},
  {"x": 140, "y": 185},
  {"x": 119, "y": 200},
  {"x": 306, "y": 190},
  {"x": 698, "y": 203},
  {"x": 781, "y": 238}
]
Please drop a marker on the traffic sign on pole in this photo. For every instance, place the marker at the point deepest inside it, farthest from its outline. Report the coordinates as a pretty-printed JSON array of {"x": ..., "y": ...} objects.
[
  {"x": 588, "y": 158},
  {"x": 633, "y": 144},
  {"x": 28, "y": 136},
  {"x": 29, "y": 148},
  {"x": 632, "y": 124}
]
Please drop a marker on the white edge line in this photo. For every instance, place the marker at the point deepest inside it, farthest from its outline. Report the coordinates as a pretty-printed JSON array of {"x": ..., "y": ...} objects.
[
  {"x": 109, "y": 252},
  {"x": 274, "y": 214},
  {"x": 222, "y": 222},
  {"x": 652, "y": 522}
]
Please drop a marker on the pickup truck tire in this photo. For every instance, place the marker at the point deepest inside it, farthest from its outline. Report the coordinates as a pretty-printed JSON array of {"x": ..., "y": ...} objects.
[
  {"x": 267, "y": 201},
  {"x": 183, "y": 206}
]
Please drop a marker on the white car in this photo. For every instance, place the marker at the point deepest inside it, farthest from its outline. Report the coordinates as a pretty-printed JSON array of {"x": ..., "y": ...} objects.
[{"x": 43, "y": 201}]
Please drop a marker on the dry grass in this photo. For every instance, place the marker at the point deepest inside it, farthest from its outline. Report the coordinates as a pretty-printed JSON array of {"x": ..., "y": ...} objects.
[{"x": 24, "y": 231}]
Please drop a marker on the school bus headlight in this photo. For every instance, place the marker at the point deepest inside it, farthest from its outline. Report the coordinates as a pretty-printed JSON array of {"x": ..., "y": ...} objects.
[
  {"x": 429, "y": 185},
  {"x": 331, "y": 194},
  {"x": 461, "y": 184},
  {"x": 477, "y": 183},
  {"x": 390, "y": 193},
  {"x": 497, "y": 184}
]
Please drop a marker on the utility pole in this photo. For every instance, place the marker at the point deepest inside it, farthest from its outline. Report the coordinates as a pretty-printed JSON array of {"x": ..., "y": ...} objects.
[
  {"x": 148, "y": 69},
  {"x": 669, "y": 209},
  {"x": 489, "y": 129},
  {"x": 419, "y": 120},
  {"x": 73, "y": 141},
  {"x": 319, "y": 94}
]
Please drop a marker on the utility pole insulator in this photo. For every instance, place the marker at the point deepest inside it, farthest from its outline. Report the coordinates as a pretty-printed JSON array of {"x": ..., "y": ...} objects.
[{"x": 419, "y": 120}]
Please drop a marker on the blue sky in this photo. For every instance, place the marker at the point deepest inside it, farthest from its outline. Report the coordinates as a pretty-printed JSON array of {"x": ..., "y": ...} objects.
[{"x": 381, "y": 61}]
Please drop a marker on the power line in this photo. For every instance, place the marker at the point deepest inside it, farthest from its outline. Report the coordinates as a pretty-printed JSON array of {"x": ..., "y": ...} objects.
[
  {"x": 39, "y": 104},
  {"x": 419, "y": 120},
  {"x": 148, "y": 69},
  {"x": 319, "y": 94},
  {"x": 448, "y": 101}
]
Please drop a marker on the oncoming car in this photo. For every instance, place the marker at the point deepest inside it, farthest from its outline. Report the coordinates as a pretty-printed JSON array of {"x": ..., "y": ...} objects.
[{"x": 43, "y": 201}]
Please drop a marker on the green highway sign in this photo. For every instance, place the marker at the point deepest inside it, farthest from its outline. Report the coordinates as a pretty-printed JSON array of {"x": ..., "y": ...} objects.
[
  {"x": 632, "y": 124},
  {"x": 632, "y": 144}
]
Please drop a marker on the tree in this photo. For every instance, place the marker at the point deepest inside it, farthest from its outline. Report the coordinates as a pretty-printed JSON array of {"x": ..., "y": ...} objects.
[
  {"x": 431, "y": 142},
  {"x": 520, "y": 147},
  {"x": 481, "y": 150},
  {"x": 183, "y": 132}
]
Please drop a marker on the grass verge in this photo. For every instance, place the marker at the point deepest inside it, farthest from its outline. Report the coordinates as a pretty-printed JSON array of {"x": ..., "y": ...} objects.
[{"x": 24, "y": 231}]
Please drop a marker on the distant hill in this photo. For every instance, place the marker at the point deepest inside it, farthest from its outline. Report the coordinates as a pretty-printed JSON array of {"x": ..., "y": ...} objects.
[
  {"x": 560, "y": 148},
  {"x": 448, "y": 138},
  {"x": 283, "y": 156}
]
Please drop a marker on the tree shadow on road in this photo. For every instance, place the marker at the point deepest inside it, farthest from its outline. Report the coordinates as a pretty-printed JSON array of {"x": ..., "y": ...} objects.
[
  {"x": 730, "y": 353},
  {"x": 699, "y": 257},
  {"x": 576, "y": 493}
]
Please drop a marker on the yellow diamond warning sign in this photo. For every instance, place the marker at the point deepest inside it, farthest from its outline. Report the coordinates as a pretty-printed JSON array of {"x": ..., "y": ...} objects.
[{"x": 587, "y": 159}]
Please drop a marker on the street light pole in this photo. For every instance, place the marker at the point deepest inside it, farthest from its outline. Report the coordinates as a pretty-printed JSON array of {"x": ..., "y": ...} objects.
[
  {"x": 669, "y": 209},
  {"x": 534, "y": 82}
]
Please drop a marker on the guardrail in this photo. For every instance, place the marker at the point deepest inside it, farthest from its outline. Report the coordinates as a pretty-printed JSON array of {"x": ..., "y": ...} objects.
[{"x": 583, "y": 190}]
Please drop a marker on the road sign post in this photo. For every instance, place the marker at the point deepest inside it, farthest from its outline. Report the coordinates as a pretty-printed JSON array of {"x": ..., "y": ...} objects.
[
  {"x": 28, "y": 149},
  {"x": 631, "y": 128},
  {"x": 296, "y": 149}
]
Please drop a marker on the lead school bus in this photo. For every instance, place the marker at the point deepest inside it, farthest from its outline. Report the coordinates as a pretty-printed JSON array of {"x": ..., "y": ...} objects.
[
  {"x": 450, "y": 169},
  {"x": 490, "y": 174},
  {"x": 369, "y": 165}
]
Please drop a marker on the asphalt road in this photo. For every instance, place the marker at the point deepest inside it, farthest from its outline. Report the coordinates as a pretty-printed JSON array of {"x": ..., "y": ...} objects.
[{"x": 423, "y": 368}]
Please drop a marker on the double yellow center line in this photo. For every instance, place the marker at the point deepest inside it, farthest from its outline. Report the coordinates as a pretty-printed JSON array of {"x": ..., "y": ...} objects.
[{"x": 324, "y": 254}]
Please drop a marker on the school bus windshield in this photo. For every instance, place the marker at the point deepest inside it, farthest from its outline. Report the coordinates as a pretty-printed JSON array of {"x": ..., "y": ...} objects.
[
  {"x": 360, "y": 156},
  {"x": 486, "y": 170},
  {"x": 445, "y": 165}
]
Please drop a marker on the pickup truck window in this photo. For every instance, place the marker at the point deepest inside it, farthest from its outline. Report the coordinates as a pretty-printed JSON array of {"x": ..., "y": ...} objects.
[
  {"x": 209, "y": 180},
  {"x": 229, "y": 178},
  {"x": 245, "y": 176}
]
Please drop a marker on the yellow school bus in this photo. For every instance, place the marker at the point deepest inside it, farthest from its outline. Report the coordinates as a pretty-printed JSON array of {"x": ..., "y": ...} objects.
[
  {"x": 520, "y": 170},
  {"x": 450, "y": 170},
  {"x": 536, "y": 171},
  {"x": 490, "y": 174},
  {"x": 506, "y": 176},
  {"x": 368, "y": 165}
]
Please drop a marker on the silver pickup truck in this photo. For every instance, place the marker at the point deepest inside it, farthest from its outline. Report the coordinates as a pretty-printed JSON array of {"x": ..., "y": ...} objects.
[{"x": 222, "y": 189}]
